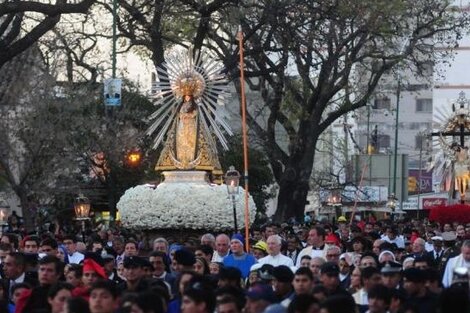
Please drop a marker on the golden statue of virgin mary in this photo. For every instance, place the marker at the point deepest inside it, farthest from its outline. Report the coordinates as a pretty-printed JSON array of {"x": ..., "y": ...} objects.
[{"x": 188, "y": 93}]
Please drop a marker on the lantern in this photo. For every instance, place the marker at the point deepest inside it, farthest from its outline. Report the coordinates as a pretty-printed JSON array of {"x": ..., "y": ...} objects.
[{"x": 82, "y": 208}]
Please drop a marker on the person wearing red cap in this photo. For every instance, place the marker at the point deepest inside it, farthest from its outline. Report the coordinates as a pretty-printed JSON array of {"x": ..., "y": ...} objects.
[
  {"x": 332, "y": 239},
  {"x": 92, "y": 272}
]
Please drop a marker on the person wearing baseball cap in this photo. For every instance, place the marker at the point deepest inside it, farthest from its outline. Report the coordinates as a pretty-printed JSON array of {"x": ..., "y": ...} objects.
[
  {"x": 282, "y": 284},
  {"x": 134, "y": 274},
  {"x": 258, "y": 298},
  {"x": 259, "y": 250},
  {"x": 450, "y": 250},
  {"x": 329, "y": 277},
  {"x": 229, "y": 276},
  {"x": 391, "y": 274},
  {"x": 185, "y": 260},
  {"x": 239, "y": 258},
  {"x": 435, "y": 254},
  {"x": 265, "y": 273},
  {"x": 414, "y": 283}
]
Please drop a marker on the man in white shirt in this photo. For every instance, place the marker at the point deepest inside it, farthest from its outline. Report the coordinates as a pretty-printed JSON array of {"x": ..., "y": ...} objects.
[
  {"x": 370, "y": 277},
  {"x": 70, "y": 244},
  {"x": 275, "y": 258},
  {"x": 316, "y": 244},
  {"x": 222, "y": 248},
  {"x": 462, "y": 260},
  {"x": 392, "y": 237}
]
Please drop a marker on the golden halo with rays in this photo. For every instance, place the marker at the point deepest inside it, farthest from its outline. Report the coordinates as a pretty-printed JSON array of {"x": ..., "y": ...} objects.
[
  {"x": 189, "y": 83},
  {"x": 199, "y": 75}
]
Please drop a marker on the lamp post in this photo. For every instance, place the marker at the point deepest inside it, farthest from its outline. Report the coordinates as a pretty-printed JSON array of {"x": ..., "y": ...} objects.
[
  {"x": 392, "y": 203},
  {"x": 395, "y": 150},
  {"x": 232, "y": 181},
  {"x": 115, "y": 5},
  {"x": 334, "y": 200},
  {"x": 82, "y": 208},
  {"x": 3, "y": 218},
  {"x": 133, "y": 158}
]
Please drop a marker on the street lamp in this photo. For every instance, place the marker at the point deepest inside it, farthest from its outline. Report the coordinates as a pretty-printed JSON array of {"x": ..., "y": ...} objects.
[
  {"x": 334, "y": 201},
  {"x": 82, "y": 208},
  {"x": 392, "y": 202},
  {"x": 133, "y": 157},
  {"x": 232, "y": 181},
  {"x": 3, "y": 218}
]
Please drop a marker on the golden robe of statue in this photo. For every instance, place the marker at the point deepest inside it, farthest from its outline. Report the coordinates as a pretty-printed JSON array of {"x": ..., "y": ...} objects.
[
  {"x": 189, "y": 145},
  {"x": 186, "y": 134}
]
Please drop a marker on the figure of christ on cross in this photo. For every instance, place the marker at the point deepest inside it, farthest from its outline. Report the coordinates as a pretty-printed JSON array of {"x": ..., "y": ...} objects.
[{"x": 460, "y": 167}]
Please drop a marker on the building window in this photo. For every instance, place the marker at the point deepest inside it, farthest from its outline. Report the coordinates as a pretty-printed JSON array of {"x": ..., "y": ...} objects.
[
  {"x": 383, "y": 141},
  {"x": 424, "y": 105},
  {"x": 381, "y": 104}
]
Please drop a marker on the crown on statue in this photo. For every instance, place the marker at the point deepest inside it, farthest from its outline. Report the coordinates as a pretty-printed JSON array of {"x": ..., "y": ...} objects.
[{"x": 189, "y": 83}]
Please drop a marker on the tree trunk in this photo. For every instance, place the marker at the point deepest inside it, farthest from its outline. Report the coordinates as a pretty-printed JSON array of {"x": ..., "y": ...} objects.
[
  {"x": 29, "y": 215},
  {"x": 291, "y": 201},
  {"x": 111, "y": 188},
  {"x": 295, "y": 181}
]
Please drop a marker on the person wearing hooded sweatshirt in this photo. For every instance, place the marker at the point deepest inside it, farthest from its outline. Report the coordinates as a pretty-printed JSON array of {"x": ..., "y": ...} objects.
[{"x": 239, "y": 258}]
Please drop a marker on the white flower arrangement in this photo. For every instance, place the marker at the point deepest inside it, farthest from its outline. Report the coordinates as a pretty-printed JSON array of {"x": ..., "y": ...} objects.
[{"x": 185, "y": 205}]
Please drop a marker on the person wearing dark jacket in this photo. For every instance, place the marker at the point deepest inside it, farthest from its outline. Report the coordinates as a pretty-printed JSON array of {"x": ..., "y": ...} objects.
[
  {"x": 134, "y": 274},
  {"x": 414, "y": 283},
  {"x": 49, "y": 272},
  {"x": 14, "y": 267}
]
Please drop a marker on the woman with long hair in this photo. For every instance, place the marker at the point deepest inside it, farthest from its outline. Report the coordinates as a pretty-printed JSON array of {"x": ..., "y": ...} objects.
[{"x": 201, "y": 267}]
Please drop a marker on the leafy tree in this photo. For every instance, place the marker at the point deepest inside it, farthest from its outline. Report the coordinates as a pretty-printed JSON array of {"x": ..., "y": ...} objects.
[
  {"x": 33, "y": 132},
  {"x": 50, "y": 133},
  {"x": 22, "y": 23},
  {"x": 340, "y": 51},
  {"x": 310, "y": 61},
  {"x": 113, "y": 135}
]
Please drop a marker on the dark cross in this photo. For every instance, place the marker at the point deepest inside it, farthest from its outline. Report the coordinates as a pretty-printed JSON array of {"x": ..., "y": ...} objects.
[
  {"x": 462, "y": 101},
  {"x": 461, "y": 130},
  {"x": 461, "y": 133}
]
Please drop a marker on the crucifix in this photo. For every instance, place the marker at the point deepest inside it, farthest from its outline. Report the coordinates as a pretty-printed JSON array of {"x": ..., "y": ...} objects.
[{"x": 457, "y": 125}]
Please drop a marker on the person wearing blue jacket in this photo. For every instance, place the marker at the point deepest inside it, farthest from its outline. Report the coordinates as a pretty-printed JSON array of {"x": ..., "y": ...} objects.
[{"x": 239, "y": 258}]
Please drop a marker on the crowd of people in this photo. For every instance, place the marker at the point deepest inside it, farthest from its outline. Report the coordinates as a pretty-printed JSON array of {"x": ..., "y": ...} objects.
[{"x": 407, "y": 266}]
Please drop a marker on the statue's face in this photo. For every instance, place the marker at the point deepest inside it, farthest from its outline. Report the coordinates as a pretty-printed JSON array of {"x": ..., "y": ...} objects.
[{"x": 188, "y": 105}]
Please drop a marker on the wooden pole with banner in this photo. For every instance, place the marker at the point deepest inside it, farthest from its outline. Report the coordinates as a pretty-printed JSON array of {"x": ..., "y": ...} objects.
[{"x": 245, "y": 140}]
